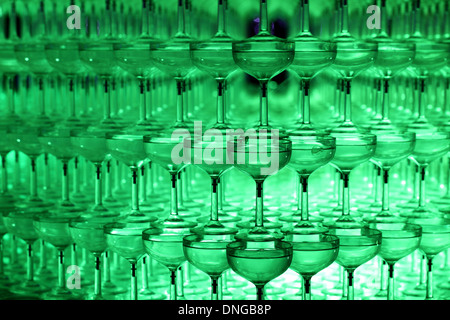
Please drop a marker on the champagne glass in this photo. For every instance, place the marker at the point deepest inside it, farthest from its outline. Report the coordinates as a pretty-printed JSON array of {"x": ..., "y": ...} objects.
[
  {"x": 311, "y": 57},
  {"x": 215, "y": 57},
  {"x": 263, "y": 56},
  {"x": 20, "y": 223},
  {"x": 312, "y": 253},
  {"x": 54, "y": 229},
  {"x": 173, "y": 58},
  {"x": 259, "y": 261},
  {"x": 259, "y": 254},
  {"x": 435, "y": 239},
  {"x": 164, "y": 243},
  {"x": 357, "y": 245},
  {"x": 352, "y": 149},
  {"x": 129, "y": 149},
  {"x": 213, "y": 237},
  {"x": 125, "y": 239},
  {"x": 398, "y": 241},
  {"x": 429, "y": 146},
  {"x": 88, "y": 234},
  {"x": 58, "y": 143},
  {"x": 309, "y": 153},
  {"x": 391, "y": 148},
  {"x": 93, "y": 147}
]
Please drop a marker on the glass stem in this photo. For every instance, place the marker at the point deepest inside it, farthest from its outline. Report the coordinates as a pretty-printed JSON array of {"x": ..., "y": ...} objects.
[
  {"x": 263, "y": 19},
  {"x": 180, "y": 112},
  {"x": 416, "y": 19},
  {"x": 220, "y": 102},
  {"x": 214, "y": 288},
  {"x": 142, "y": 102},
  {"x": 133, "y": 290},
  {"x": 422, "y": 187},
  {"x": 61, "y": 278},
  {"x": 347, "y": 101},
  {"x": 2, "y": 270},
  {"x": 108, "y": 182},
  {"x": 264, "y": 107},
  {"x": 344, "y": 18},
  {"x": 385, "y": 196},
  {"x": 306, "y": 290},
  {"x": 107, "y": 105},
  {"x": 98, "y": 185},
  {"x": 383, "y": 282},
  {"x": 260, "y": 293},
  {"x": 305, "y": 18},
  {"x": 10, "y": 80},
  {"x": 173, "y": 194},
  {"x": 76, "y": 176},
  {"x": 65, "y": 182},
  {"x": 173, "y": 284},
  {"x": 144, "y": 271},
  {"x": 97, "y": 278},
  {"x": 304, "y": 197},
  {"x": 72, "y": 99},
  {"x": 385, "y": 102},
  {"x": 346, "y": 194},
  {"x": 214, "y": 199},
  {"x": 33, "y": 180},
  {"x": 134, "y": 190},
  {"x": 306, "y": 111},
  {"x": 4, "y": 173},
  {"x": 384, "y": 20},
  {"x": 350, "y": 288},
  {"x": 41, "y": 96},
  {"x": 181, "y": 21},
  {"x": 221, "y": 18},
  {"x": 420, "y": 100},
  {"x": 391, "y": 288},
  {"x": 145, "y": 27},
  {"x": 429, "y": 279},
  {"x": 30, "y": 276},
  {"x": 259, "y": 203}
]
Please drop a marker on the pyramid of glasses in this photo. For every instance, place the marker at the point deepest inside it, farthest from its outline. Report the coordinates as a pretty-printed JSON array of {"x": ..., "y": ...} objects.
[{"x": 194, "y": 104}]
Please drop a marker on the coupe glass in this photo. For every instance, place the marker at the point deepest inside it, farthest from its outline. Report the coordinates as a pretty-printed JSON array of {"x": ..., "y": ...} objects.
[
  {"x": 20, "y": 224},
  {"x": 352, "y": 149},
  {"x": 125, "y": 239},
  {"x": 309, "y": 153},
  {"x": 263, "y": 56},
  {"x": 54, "y": 229},
  {"x": 398, "y": 241},
  {"x": 259, "y": 254},
  {"x": 129, "y": 149},
  {"x": 429, "y": 146},
  {"x": 311, "y": 57},
  {"x": 312, "y": 252},
  {"x": 435, "y": 239},
  {"x": 88, "y": 234},
  {"x": 58, "y": 143},
  {"x": 391, "y": 148},
  {"x": 212, "y": 237},
  {"x": 164, "y": 243},
  {"x": 357, "y": 245}
]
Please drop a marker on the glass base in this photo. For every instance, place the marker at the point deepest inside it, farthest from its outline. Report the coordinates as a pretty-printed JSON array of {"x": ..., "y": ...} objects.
[
  {"x": 408, "y": 205},
  {"x": 62, "y": 294},
  {"x": 112, "y": 203},
  {"x": 444, "y": 201},
  {"x": 29, "y": 288},
  {"x": 147, "y": 294},
  {"x": 110, "y": 289},
  {"x": 417, "y": 291}
]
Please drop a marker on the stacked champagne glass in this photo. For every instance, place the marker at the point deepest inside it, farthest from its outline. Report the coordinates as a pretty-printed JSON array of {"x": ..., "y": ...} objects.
[{"x": 338, "y": 115}]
